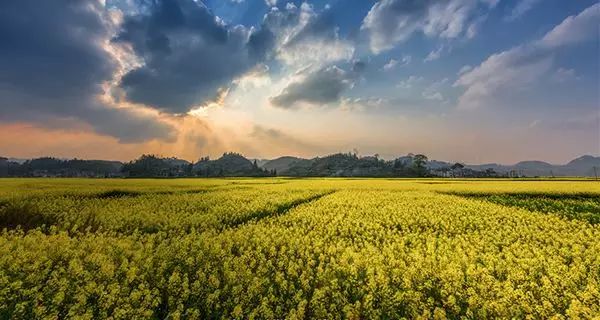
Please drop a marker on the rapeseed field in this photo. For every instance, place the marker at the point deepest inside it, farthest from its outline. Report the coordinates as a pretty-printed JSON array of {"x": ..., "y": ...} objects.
[{"x": 278, "y": 248}]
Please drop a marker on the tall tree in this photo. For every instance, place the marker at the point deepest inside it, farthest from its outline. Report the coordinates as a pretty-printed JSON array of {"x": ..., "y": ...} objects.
[{"x": 419, "y": 163}]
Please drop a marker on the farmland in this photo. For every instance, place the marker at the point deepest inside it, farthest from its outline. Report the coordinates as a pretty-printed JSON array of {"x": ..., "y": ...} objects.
[{"x": 276, "y": 248}]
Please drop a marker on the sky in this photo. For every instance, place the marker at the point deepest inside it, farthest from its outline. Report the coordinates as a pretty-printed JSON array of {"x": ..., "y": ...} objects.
[{"x": 474, "y": 81}]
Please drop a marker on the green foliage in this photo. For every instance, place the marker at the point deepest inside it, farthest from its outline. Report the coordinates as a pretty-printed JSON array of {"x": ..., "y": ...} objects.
[
  {"x": 297, "y": 249},
  {"x": 56, "y": 167},
  {"x": 418, "y": 162}
]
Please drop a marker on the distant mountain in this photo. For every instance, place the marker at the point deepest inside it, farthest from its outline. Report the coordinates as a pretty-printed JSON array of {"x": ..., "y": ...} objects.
[
  {"x": 229, "y": 165},
  {"x": 584, "y": 163},
  {"x": 260, "y": 162},
  {"x": 17, "y": 160},
  {"x": 282, "y": 164},
  {"x": 176, "y": 162},
  {"x": 582, "y": 166}
]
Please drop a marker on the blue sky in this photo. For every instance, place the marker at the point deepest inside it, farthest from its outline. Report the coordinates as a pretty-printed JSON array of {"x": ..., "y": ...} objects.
[{"x": 460, "y": 80}]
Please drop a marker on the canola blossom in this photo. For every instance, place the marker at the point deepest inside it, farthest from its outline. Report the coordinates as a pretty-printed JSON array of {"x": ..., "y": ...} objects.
[{"x": 299, "y": 249}]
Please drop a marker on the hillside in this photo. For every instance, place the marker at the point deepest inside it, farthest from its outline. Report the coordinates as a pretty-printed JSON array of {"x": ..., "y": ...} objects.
[
  {"x": 228, "y": 165},
  {"x": 582, "y": 166},
  {"x": 350, "y": 165},
  {"x": 281, "y": 164}
]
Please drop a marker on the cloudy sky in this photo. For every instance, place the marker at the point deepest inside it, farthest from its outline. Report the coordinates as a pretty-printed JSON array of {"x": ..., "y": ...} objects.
[{"x": 459, "y": 80}]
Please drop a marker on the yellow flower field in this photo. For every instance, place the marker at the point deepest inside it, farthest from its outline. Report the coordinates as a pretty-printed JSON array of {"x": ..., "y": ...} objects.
[{"x": 278, "y": 248}]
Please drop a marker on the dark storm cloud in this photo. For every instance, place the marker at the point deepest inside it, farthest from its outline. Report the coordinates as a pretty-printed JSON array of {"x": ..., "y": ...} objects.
[
  {"x": 261, "y": 44},
  {"x": 49, "y": 52},
  {"x": 320, "y": 87},
  {"x": 127, "y": 125},
  {"x": 264, "y": 42},
  {"x": 52, "y": 66},
  {"x": 54, "y": 62},
  {"x": 188, "y": 54}
]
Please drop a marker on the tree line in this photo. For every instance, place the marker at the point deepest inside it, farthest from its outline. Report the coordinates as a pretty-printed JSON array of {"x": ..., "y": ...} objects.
[{"x": 233, "y": 164}]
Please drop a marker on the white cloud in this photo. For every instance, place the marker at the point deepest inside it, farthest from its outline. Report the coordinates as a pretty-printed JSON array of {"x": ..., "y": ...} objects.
[
  {"x": 271, "y": 3},
  {"x": 433, "y": 95},
  {"x": 513, "y": 69},
  {"x": 258, "y": 77},
  {"x": 474, "y": 26},
  {"x": 393, "y": 63},
  {"x": 392, "y": 21},
  {"x": 564, "y": 75},
  {"x": 472, "y": 30},
  {"x": 390, "y": 65},
  {"x": 315, "y": 87},
  {"x": 434, "y": 55},
  {"x": 491, "y": 3},
  {"x": 318, "y": 51},
  {"x": 523, "y": 65},
  {"x": 432, "y": 92},
  {"x": 464, "y": 69},
  {"x": 521, "y": 8},
  {"x": 574, "y": 29},
  {"x": 409, "y": 82},
  {"x": 361, "y": 104}
]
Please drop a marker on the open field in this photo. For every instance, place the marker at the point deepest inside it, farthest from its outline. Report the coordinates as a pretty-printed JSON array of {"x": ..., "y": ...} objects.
[{"x": 299, "y": 248}]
